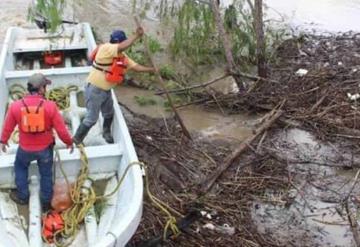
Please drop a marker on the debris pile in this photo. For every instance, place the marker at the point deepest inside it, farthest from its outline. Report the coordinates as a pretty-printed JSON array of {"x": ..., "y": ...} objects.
[{"x": 318, "y": 78}]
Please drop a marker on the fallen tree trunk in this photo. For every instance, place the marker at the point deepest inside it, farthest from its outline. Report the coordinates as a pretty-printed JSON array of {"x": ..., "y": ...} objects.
[{"x": 268, "y": 121}]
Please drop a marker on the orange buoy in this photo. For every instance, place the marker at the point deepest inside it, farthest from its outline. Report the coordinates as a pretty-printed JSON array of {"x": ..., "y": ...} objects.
[{"x": 61, "y": 199}]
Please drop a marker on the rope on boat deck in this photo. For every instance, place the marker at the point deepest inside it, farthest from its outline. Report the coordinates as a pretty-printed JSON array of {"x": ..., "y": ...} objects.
[
  {"x": 60, "y": 95},
  {"x": 82, "y": 202}
]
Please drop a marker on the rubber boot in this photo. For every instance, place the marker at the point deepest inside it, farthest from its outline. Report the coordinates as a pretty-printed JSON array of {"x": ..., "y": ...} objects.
[
  {"x": 80, "y": 134},
  {"x": 107, "y": 129}
]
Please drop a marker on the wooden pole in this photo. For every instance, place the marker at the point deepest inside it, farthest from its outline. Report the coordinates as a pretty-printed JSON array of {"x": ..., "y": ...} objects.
[
  {"x": 260, "y": 39},
  {"x": 184, "y": 129},
  {"x": 269, "y": 120}
]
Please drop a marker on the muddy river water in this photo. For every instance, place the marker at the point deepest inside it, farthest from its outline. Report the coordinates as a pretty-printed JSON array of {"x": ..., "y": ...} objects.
[{"x": 315, "y": 216}]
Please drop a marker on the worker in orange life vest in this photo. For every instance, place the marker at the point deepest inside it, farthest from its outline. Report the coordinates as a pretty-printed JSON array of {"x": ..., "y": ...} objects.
[
  {"x": 36, "y": 118},
  {"x": 109, "y": 66}
]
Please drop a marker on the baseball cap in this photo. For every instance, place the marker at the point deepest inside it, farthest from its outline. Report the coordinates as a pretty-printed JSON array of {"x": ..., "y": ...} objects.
[
  {"x": 117, "y": 36},
  {"x": 38, "y": 80}
]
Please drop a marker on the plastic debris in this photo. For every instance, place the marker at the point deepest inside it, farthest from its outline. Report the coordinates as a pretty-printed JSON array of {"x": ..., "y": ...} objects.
[
  {"x": 206, "y": 214},
  {"x": 209, "y": 226},
  {"x": 353, "y": 96},
  {"x": 224, "y": 229},
  {"x": 149, "y": 138},
  {"x": 301, "y": 72}
]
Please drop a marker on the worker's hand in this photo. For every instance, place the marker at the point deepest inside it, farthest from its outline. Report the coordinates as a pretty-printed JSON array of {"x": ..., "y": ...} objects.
[
  {"x": 155, "y": 70},
  {"x": 3, "y": 147},
  {"x": 71, "y": 148},
  {"x": 139, "y": 31}
]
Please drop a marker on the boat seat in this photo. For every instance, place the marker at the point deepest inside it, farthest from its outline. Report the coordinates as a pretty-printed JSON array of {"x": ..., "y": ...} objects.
[
  {"x": 36, "y": 65},
  {"x": 25, "y": 74},
  {"x": 68, "y": 62}
]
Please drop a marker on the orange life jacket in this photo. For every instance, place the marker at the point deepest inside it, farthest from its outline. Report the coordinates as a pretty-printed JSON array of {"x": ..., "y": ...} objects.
[
  {"x": 52, "y": 222},
  {"x": 32, "y": 118},
  {"x": 115, "y": 71}
]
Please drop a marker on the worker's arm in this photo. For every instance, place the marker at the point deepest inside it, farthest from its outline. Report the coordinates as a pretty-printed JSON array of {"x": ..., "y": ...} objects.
[
  {"x": 60, "y": 128},
  {"x": 141, "y": 68},
  {"x": 128, "y": 42},
  {"x": 9, "y": 126}
]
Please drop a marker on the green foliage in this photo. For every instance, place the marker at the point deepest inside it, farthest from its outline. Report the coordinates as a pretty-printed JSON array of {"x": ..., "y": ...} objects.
[
  {"x": 167, "y": 72},
  {"x": 136, "y": 51},
  {"x": 144, "y": 100},
  {"x": 176, "y": 100},
  {"x": 194, "y": 36},
  {"x": 154, "y": 44},
  {"x": 51, "y": 10}
]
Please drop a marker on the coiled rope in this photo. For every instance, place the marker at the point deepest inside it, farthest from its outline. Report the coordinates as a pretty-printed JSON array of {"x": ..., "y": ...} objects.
[
  {"x": 82, "y": 202},
  {"x": 60, "y": 95}
]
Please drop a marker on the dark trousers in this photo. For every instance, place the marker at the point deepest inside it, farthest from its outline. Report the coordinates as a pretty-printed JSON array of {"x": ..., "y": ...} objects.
[{"x": 44, "y": 160}]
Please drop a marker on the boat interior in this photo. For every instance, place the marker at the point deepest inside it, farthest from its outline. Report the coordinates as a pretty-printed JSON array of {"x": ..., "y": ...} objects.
[{"x": 24, "y": 53}]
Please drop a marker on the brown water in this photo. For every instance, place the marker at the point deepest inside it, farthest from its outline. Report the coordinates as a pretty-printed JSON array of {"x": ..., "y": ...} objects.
[{"x": 209, "y": 124}]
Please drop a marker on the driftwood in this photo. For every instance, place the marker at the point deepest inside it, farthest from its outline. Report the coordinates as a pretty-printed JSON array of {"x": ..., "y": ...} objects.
[
  {"x": 178, "y": 118},
  {"x": 270, "y": 119},
  {"x": 354, "y": 226},
  {"x": 253, "y": 77},
  {"x": 204, "y": 84}
]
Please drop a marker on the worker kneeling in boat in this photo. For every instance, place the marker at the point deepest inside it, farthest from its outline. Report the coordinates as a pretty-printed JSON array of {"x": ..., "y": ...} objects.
[
  {"x": 36, "y": 117},
  {"x": 109, "y": 65}
]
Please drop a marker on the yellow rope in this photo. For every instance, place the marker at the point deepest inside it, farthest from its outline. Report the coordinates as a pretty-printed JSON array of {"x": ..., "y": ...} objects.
[
  {"x": 60, "y": 95},
  {"x": 17, "y": 92},
  {"x": 83, "y": 202}
]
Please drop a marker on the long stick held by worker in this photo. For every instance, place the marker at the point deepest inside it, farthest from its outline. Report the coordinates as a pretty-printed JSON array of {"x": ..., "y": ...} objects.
[{"x": 183, "y": 127}]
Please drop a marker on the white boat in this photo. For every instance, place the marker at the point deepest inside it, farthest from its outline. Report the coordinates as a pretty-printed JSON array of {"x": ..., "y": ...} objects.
[{"x": 21, "y": 56}]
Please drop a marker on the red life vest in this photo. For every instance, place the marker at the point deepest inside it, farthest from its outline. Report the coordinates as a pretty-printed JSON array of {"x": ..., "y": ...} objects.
[
  {"x": 52, "y": 223},
  {"x": 32, "y": 118},
  {"x": 115, "y": 71}
]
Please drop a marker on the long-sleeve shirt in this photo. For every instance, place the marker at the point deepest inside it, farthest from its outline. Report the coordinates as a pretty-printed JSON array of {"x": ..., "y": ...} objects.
[{"x": 33, "y": 142}]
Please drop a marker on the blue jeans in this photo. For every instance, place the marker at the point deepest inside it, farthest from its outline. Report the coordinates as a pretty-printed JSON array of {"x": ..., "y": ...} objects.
[{"x": 44, "y": 160}]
